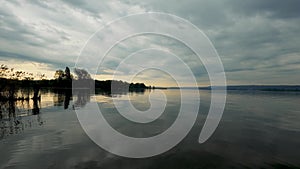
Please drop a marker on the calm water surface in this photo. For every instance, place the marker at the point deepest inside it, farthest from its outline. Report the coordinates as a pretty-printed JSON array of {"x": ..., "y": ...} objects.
[{"x": 258, "y": 130}]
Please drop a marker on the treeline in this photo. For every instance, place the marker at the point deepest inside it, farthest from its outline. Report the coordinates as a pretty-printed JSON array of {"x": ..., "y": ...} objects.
[
  {"x": 114, "y": 85},
  {"x": 11, "y": 81},
  {"x": 65, "y": 83}
]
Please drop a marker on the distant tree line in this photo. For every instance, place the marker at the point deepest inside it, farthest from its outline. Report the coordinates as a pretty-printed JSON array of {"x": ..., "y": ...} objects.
[
  {"x": 117, "y": 85},
  {"x": 11, "y": 81}
]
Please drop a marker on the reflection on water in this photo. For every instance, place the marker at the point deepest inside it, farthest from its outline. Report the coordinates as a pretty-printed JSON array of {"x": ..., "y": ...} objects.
[
  {"x": 14, "y": 120},
  {"x": 18, "y": 114},
  {"x": 258, "y": 130},
  {"x": 62, "y": 98}
]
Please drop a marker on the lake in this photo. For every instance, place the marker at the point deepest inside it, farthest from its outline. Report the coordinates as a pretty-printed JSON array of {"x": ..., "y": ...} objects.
[{"x": 258, "y": 130}]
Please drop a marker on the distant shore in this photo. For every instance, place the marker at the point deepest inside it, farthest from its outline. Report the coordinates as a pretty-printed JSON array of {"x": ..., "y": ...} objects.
[{"x": 289, "y": 88}]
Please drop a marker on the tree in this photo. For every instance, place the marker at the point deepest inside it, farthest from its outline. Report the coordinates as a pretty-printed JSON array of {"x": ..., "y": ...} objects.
[
  {"x": 68, "y": 73},
  {"x": 59, "y": 74},
  {"x": 10, "y": 73},
  {"x": 41, "y": 76},
  {"x": 82, "y": 74},
  {"x": 3, "y": 71}
]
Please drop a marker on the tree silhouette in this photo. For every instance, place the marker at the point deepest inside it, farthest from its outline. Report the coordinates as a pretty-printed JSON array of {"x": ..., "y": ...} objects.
[
  {"x": 82, "y": 74},
  {"x": 59, "y": 74},
  {"x": 68, "y": 73},
  {"x": 3, "y": 71}
]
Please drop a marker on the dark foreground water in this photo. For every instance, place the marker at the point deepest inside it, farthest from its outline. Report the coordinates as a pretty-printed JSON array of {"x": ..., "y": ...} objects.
[{"x": 258, "y": 130}]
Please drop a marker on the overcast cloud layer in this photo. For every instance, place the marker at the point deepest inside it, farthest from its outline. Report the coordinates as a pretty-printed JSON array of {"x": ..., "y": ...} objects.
[{"x": 257, "y": 40}]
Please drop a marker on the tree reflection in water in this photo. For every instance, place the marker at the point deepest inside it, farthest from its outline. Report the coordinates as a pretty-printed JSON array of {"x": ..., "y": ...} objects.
[
  {"x": 62, "y": 97},
  {"x": 83, "y": 96},
  {"x": 17, "y": 114}
]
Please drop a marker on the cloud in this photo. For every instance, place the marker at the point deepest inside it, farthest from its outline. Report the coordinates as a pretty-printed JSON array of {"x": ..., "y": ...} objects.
[
  {"x": 51, "y": 31},
  {"x": 258, "y": 41},
  {"x": 271, "y": 8}
]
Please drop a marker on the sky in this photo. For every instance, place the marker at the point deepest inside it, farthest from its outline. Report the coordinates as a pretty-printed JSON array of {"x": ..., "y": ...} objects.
[{"x": 257, "y": 40}]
